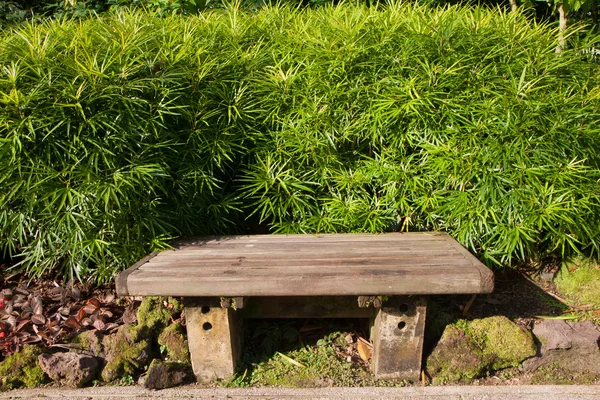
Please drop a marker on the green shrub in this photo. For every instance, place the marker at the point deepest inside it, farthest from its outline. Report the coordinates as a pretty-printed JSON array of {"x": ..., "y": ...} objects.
[{"x": 119, "y": 132}]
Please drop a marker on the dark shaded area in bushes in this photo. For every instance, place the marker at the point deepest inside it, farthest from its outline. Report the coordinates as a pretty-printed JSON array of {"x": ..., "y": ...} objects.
[{"x": 121, "y": 132}]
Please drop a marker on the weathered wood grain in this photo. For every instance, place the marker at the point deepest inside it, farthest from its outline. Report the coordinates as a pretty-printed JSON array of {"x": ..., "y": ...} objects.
[{"x": 311, "y": 265}]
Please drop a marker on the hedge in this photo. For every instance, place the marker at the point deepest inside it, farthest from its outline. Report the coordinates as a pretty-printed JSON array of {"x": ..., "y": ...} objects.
[{"x": 121, "y": 132}]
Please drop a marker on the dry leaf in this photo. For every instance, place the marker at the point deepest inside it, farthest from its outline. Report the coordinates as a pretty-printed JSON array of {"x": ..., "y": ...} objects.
[
  {"x": 94, "y": 301},
  {"x": 363, "y": 350},
  {"x": 72, "y": 323},
  {"x": 89, "y": 309},
  {"x": 80, "y": 314}
]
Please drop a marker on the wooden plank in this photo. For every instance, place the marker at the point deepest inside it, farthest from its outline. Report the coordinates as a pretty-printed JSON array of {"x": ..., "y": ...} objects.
[
  {"x": 315, "y": 272},
  {"x": 296, "y": 264},
  {"x": 334, "y": 285},
  {"x": 313, "y": 253},
  {"x": 486, "y": 274},
  {"x": 279, "y": 265},
  {"x": 121, "y": 281},
  {"x": 310, "y": 238}
]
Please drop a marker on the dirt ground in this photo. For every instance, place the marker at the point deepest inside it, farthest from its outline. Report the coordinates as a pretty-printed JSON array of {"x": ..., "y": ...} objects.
[{"x": 51, "y": 312}]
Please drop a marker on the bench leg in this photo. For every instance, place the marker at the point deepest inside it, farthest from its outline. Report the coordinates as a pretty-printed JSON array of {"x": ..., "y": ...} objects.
[
  {"x": 214, "y": 337},
  {"x": 397, "y": 335}
]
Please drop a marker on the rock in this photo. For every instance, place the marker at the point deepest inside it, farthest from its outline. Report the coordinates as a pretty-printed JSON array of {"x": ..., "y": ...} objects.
[
  {"x": 22, "y": 369},
  {"x": 568, "y": 349},
  {"x": 91, "y": 341},
  {"x": 468, "y": 349},
  {"x": 162, "y": 375},
  {"x": 455, "y": 358},
  {"x": 155, "y": 313},
  {"x": 69, "y": 369},
  {"x": 559, "y": 334},
  {"x": 127, "y": 352},
  {"x": 573, "y": 361},
  {"x": 176, "y": 345},
  {"x": 503, "y": 342}
]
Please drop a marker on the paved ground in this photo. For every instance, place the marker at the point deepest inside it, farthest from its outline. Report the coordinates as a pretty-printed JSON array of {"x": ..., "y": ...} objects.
[{"x": 409, "y": 393}]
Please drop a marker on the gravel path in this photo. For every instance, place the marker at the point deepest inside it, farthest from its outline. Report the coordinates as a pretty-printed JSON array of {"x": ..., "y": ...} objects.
[{"x": 408, "y": 393}]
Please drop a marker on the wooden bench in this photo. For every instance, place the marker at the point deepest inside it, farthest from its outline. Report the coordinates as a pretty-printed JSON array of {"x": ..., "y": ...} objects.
[{"x": 308, "y": 276}]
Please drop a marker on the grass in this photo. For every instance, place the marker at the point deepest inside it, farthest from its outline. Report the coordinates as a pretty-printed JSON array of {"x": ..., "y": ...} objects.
[
  {"x": 279, "y": 354},
  {"x": 578, "y": 280},
  {"x": 120, "y": 132}
]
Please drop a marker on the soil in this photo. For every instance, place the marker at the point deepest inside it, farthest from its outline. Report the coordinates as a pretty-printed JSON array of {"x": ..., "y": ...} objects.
[{"x": 68, "y": 309}]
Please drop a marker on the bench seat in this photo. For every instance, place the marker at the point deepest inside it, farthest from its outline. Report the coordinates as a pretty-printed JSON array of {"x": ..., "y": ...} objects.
[
  {"x": 310, "y": 265},
  {"x": 291, "y": 275}
]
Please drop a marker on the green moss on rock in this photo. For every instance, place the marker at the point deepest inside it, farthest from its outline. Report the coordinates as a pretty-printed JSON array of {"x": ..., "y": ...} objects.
[
  {"x": 155, "y": 313},
  {"x": 505, "y": 344},
  {"x": 126, "y": 353},
  {"x": 90, "y": 341},
  {"x": 175, "y": 344},
  {"x": 455, "y": 358},
  {"x": 468, "y": 349},
  {"x": 22, "y": 369}
]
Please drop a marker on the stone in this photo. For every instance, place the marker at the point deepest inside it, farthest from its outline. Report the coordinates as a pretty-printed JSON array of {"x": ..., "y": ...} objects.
[
  {"x": 155, "y": 313},
  {"x": 568, "y": 347},
  {"x": 69, "y": 369},
  {"x": 469, "y": 349},
  {"x": 455, "y": 358},
  {"x": 214, "y": 336},
  {"x": 586, "y": 335},
  {"x": 175, "y": 344},
  {"x": 504, "y": 343},
  {"x": 21, "y": 369},
  {"x": 574, "y": 360},
  {"x": 90, "y": 341},
  {"x": 162, "y": 375},
  {"x": 127, "y": 352},
  {"x": 560, "y": 334},
  {"x": 397, "y": 334}
]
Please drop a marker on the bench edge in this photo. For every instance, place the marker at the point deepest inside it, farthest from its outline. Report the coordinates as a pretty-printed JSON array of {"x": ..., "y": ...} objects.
[
  {"x": 121, "y": 280},
  {"x": 486, "y": 275}
]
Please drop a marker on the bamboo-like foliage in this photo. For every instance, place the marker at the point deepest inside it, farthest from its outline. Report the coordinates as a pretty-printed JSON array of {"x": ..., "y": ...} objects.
[{"x": 120, "y": 132}]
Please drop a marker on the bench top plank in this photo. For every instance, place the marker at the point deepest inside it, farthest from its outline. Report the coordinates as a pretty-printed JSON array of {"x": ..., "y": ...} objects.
[{"x": 310, "y": 265}]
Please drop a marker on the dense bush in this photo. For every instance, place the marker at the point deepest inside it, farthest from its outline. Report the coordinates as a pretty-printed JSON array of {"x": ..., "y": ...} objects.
[{"x": 119, "y": 132}]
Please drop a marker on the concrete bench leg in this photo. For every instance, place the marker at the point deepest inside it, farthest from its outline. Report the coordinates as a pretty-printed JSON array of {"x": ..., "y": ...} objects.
[
  {"x": 397, "y": 334},
  {"x": 214, "y": 337}
]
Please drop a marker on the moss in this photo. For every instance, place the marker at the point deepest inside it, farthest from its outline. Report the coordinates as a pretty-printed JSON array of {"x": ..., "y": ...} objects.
[
  {"x": 319, "y": 366},
  {"x": 175, "y": 305},
  {"x": 554, "y": 374},
  {"x": 22, "y": 369},
  {"x": 155, "y": 313},
  {"x": 468, "y": 349},
  {"x": 579, "y": 281},
  {"x": 90, "y": 341},
  {"x": 503, "y": 342},
  {"x": 126, "y": 353},
  {"x": 175, "y": 344},
  {"x": 456, "y": 357}
]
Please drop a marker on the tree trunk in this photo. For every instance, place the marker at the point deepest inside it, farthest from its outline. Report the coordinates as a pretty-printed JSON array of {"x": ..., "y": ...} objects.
[
  {"x": 562, "y": 27},
  {"x": 513, "y": 5}
]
